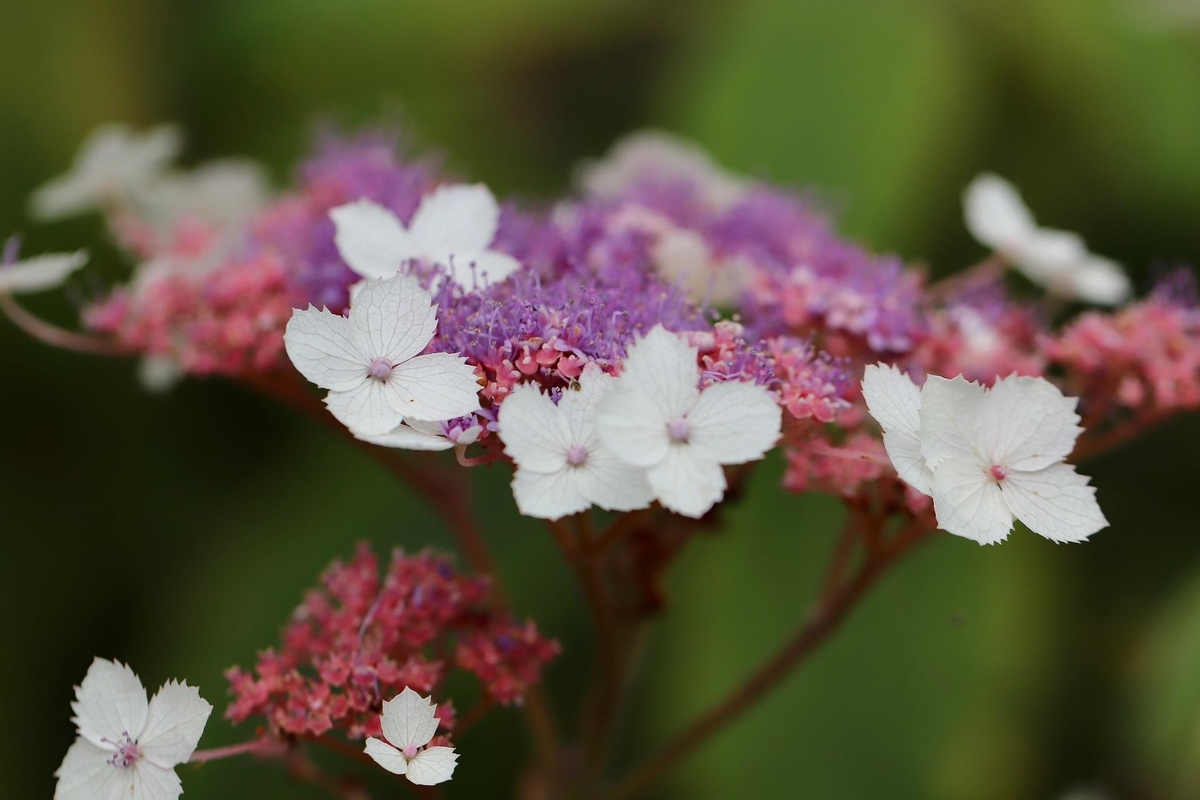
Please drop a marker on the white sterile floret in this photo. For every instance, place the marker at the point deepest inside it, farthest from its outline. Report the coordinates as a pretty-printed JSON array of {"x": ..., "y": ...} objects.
[
  {"x": 657, "y": 155},
  {"x": 657, "y": 419},
  {"x": 454, "y": 227},
  {"x": 1059, "y": 260},
  {"x": 369, "y": 360},
  {"x": 417, "y": 435},
  {"x": 223, "y": 193},
  {"x": 988, "y": 456},
  {"x": 113, "y": 162},
  {"x": 895, "y": 403},
  {"x": 409, "y": 723},
  {"x": 40, "y": 273},
  {"x": 127, "y": 747},
  {"x": 562, "y": 465}
]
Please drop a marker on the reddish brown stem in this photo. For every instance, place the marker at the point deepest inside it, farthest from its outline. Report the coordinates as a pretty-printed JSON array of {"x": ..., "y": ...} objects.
[
  {"x": 266, "y": 747},
  {"x": 55, "y": 336},
  {"x": 821, "y": 622}
]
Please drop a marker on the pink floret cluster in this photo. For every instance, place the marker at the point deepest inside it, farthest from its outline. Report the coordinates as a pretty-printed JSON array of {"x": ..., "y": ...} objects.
[{"x": 359, "y": 639}]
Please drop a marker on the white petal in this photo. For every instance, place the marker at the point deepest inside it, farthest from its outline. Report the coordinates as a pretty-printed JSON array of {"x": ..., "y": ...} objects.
[
  {"x": 1101, "y": 281},
  {"x": 327, "y": 349},
  {"x": 408, "y": 720},
  {"x": 455, "y": 220},
  {"x": 406, "y": 437},
  {"x": 482, "y": 269},
  {"x": 365, "y": 410},
  {"x": 579, "y": 403},
  {"x": 85, "y": 774},
  {"x": 110, "y": 702},
  {"x": 386, "y": 756},
  {"x": 159, "y": 374},
  {"x": 996, "y": 216},
  {"x": 1033, "y": 425},
  {"x": 954, "y": 421},
  {"x": 434, "y": 387},
  {"x": 685, "y": 484},
  {"x": 968, "y": 502},
  {"x": 1050, "y": 257},
  {"x": 1055, "y": 502},
  {"x": 432, "y": 766},
  {"x": 176, "y": 719},
  {"x": 222, "y": 192},
  {"x": 152, "y": 782},
  {"x": 40, "y": 273},
  {"x": 662, "y": 365},
  {"x": 733, "y": 422},
  {"x": 631, "y": 427},
  {"x": 397, "y": 317},
  {"x": 548, "y": 495},
  {"x": 535, "y": 432},
  {"x": 611, "y": 483},
  {"x": 894, "y": 400},
  {"x": 370, "y": 239}
]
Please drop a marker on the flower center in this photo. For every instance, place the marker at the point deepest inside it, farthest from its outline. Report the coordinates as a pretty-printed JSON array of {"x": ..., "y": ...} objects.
[
  {"x": 380, "y": 368},
  {"x": 999, "y": 472},
  {"x": 127, "y": 751},
  {"x": 577, "y": 455},
  {"x": 678, "y": 430},
  {"x": 410, "y": 752}
]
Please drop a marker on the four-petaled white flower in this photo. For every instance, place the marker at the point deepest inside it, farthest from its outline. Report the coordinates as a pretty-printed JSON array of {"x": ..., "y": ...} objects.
[
  {"x": 658, "y": 420},
  {"x": 562, "y": 465},
  {"x": 987, "y": 456},
  {"x": 369, "y": 359},
  {"x": 40, "y": 273},
  {"x": 1058, "y": 260},
  {"x": 113, "y": 162},
  {"x": 409, "y": 724},
  {"x": 126, "y": 746},
  {"x": 453, "y": 227}
]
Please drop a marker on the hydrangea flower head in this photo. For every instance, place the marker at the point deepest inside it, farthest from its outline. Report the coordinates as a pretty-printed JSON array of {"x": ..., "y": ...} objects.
[
  {"x": 658, "y": 419},
  {"x": 369, "y": 359},
  {"x": 453, "y": 228},
  {"x": 1059, "y": 260},
  {"x": 113, "y": 162},
  {"x": 128, "y": 747},
  {"x": 409, "y": 723},
  {"x": 562, "y": 465}
]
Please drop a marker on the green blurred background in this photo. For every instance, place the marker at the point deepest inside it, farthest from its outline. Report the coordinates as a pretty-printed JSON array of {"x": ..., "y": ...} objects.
[{"x": 177, "y": 532}]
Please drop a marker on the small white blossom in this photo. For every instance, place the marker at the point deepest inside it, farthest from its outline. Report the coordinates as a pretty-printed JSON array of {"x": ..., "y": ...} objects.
[
  {"x": 113, "y": 162},
  {"x": 223, "y": 193},
  {"x": 1059, "y": 260},
  {"x": 126, "y": 746},
  {"x": 369, "y": 360},
  {"x": 987, "y": 456},
  {"x": 684, "y": 259},
  {"x": 453, "y": 227},
  {"x": 562, "y": 465},
  {"x": 409, "y": 723},
  {"x": 40, "y": 273},
  {"x": 657, "y": 155},
  {"x": 658, "y": 420}
]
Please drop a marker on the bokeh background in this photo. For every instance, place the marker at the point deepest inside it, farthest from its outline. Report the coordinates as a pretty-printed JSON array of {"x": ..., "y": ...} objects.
[{"x": 177, "y": 532}]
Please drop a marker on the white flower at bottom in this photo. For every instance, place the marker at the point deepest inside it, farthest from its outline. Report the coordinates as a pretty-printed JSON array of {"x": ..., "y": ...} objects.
[
  {"x": 658, "y": 420},
  {"x": 562, "y": 466},
  {"x": 126, "y": 746},
  {"x": 409, "y": 724},
  {"x": 40, "y": 273}
]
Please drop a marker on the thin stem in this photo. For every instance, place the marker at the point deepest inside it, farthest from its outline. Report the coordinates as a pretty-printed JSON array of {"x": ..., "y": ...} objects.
[
  {"x": 473, "y": 716},
  {"x": 1096, "y": 444},
  {"x": 268, "y": 747},
  {"x": 621, "y": 527},
  {"x": 822, "y": 621},
  {"x": 55, "y": 336}
]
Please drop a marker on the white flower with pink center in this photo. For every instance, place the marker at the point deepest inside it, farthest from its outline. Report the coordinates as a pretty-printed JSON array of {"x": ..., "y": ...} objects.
[
  {"x": 409, "y": 723},
  {"x": 369, "y": 360},
  {"x": 987, "y": 456},
  {"x": 657, "y": 419},
  {"x": 562, "y": 465},
  {"x": 128, "y": 747},
  {"x": 454, "y": 227}
]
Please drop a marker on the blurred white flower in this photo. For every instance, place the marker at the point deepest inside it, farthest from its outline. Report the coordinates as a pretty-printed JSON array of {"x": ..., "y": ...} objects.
[
  {"x": 223, "y": 193},
  {"x": 1058, "y": 260},
  {"x": 40, "y": 273},
  {"x": 409, "y": 724},
  {"x": 126, "y": 746},
  {"x": 454, "y": 227},
  {"x": 658, "y": 420},
  {"x": 369, "y": 360}
]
